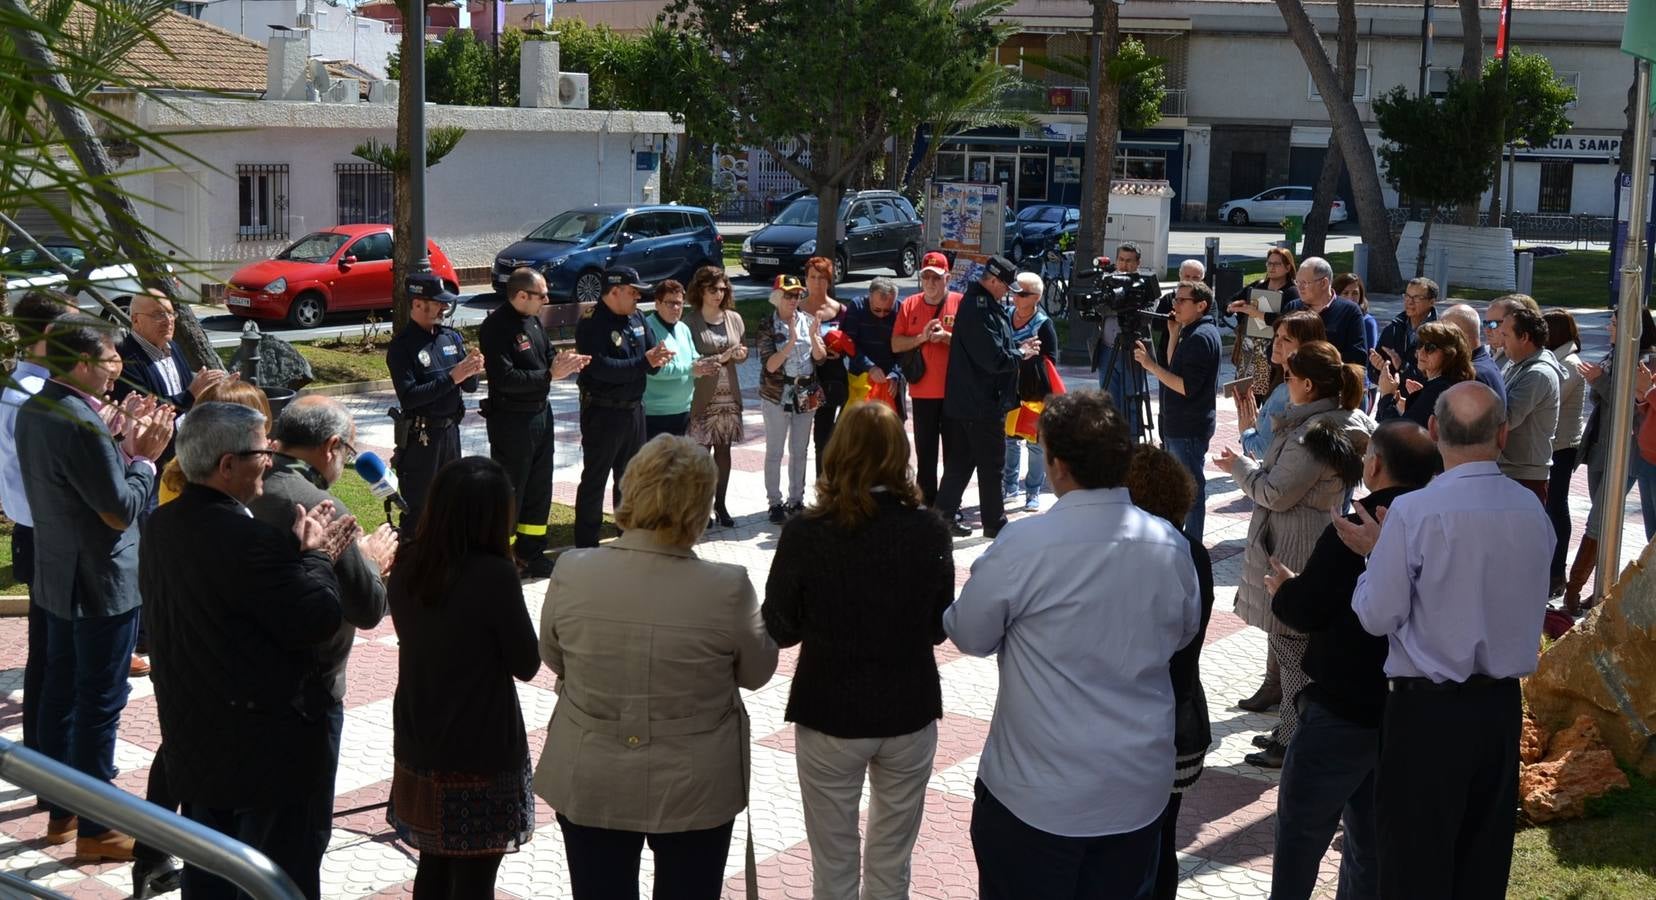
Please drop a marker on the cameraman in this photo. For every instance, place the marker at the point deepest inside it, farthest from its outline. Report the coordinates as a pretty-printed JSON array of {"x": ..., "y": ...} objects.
[
  {"x": 1187, "y": 372},
  {"x": 1118, "y": 377}
]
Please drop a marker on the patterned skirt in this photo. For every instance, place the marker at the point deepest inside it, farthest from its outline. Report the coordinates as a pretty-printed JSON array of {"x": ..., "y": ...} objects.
[
  {"x": 462, "y": 814},
  {"x": 1253, "y": 360},
  {"x": 720, "y": 424}
]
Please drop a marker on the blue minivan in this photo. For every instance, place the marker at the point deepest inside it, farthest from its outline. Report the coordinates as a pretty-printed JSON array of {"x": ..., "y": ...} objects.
[{"x": 572, "y": 249}]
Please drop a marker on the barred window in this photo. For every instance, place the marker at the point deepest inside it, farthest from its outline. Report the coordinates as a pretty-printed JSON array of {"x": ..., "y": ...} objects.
[
  {"x": 262, "y": 201},
  {"x": 365, "y": 194}
]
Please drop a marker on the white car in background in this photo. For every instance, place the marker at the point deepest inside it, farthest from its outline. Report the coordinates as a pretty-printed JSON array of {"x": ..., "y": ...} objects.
[
  {"x": 26, "y": 268},
  {"x": 1269, "y": 207}
]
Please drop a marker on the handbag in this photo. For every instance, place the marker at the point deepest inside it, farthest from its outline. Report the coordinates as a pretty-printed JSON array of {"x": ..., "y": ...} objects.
[{"x": 913, "y": 362}]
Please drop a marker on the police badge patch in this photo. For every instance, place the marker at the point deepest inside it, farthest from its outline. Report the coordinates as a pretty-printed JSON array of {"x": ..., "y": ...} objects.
[
  {"x": 425, "y": 357},
  {"x": 523, "y": 341},
  {"x": 615, "y": 338}
]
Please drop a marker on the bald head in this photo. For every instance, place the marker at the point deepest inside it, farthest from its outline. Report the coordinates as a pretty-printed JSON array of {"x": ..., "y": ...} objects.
[
  {"x": 152, "y": 318},
  {"x": 1466, "y": 319},
  {"x": 1469, "y": 422},
  {"x": 318, "y": 430}
]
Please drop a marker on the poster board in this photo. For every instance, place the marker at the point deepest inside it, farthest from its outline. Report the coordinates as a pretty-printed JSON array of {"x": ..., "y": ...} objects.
[{"x": 966, "y": 219}]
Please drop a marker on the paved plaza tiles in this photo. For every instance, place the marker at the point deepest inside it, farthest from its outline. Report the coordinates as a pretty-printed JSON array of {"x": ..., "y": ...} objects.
[{"x": 1226, "y": 822}]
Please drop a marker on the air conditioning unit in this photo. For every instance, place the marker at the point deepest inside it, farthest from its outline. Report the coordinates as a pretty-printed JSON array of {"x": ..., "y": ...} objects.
[{"x": 572, "y": 90}]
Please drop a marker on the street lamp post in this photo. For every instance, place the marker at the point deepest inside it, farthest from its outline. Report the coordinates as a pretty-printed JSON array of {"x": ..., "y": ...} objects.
[{"x": 413, "y": 81}]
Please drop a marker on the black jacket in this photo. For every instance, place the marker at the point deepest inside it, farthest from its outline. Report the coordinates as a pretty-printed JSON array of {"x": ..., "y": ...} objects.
[
  {"x": 1343, "y": 321},
  {"x": 617, "y": 344},
  {"x": 236, "y": 614},
  {"x": 361, "y": 592},
  {"x": 1191, "y": 731},
  {"x": 517, "y": 357},
  {"x": 1347, "y": 665},
  {"x": 1419, "y": 405},
  {"x": 983, "y": 360},
  {"x": 867, "y": 604},
  {"x": 419, "y": 362},
  {"x": 1399, "y": 336},
  {"x": 142, "y": 374}
]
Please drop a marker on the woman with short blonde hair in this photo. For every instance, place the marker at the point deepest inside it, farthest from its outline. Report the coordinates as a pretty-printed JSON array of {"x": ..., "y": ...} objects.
[
  {"x": 649, "y": 740},
  {"x": 861, "y": 581}
]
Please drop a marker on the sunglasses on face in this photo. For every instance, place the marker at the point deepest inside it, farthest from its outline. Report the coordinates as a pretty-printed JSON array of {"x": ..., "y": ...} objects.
[
  {"x": 1493, "y": 324},
  {"x": 1429, "y": 348}
]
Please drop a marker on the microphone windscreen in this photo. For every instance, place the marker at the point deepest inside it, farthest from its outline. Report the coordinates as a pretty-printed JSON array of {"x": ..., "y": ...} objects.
[{"x": 370, "y": 466}]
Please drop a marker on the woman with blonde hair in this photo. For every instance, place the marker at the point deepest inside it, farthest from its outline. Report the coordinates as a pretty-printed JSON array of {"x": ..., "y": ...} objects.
[
  {"x": 716, "y": 407},
  {"x": 1314, "y": 460},
  {"x": 230, "y": 390},
  {"x": 861, "y": 581},
  {"x": 649, "y": 740}
]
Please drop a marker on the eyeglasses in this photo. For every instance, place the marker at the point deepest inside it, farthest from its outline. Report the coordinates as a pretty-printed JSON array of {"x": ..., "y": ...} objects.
[
  {"x": 1274, "y": 262},
  {"x": 1492, "y": 324},
  {"x": 1418, "y": 298},
  {"x": 1307, "y": 283},
  {"x": 541, "y": 294},
  {"x": 350, "y": 451},
  {"x": 246, "y": 453},
  {"x": 1429, "y": 348},
  {"x": 162, "y": 316}
]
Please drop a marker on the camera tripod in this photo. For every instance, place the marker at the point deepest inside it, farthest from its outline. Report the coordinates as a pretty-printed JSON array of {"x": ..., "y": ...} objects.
[{"x": 1135, "y": 381}]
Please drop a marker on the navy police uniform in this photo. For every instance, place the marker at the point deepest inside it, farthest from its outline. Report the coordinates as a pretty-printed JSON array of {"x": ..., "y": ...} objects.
[
  {"x": 517, "y": 356},
  {"x": 980, "y": 389},
  {"x": 430, "y": 408},
  {"x": 612, "y": 400}
]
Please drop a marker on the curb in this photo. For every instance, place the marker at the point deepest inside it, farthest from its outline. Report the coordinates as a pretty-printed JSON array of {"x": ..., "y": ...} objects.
[{"x": 348, "y": 388}]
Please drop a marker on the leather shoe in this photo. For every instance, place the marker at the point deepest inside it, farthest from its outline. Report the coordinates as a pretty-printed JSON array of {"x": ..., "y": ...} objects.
[
  {"x": 1262, "y": 740},
  {"x": 155, "y": 876},
  {"x": 537, "y": 566},
  {"x": 1262, "y": 699},
  {"x": 111, "y": 846},
  {"x": 61, "y": 831},
  {"x": 138, "y": 667},
  {"x": 1269, "y": 758},
  {"x": 991, "y": 530}
]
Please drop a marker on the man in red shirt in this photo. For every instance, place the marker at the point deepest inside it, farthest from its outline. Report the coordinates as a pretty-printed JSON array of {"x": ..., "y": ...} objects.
[{"x": 926, "y": 320}]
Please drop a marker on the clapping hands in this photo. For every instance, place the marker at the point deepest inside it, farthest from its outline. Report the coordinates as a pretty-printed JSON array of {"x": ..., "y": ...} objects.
[{"x": 317, "y": 529}]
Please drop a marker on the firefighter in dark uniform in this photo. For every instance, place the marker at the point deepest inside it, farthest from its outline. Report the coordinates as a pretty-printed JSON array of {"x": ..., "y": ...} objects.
[
  {"x": 612, "y": 333},
  {"x": 521, "y": 367},
  {"x": 429, "y": 368}
]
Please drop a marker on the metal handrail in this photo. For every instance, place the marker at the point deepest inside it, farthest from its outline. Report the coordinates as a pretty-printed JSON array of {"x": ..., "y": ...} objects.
[{"x": 191, "y": 842}]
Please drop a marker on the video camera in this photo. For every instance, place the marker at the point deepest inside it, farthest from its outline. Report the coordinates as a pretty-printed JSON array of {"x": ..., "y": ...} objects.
[{"x": 1102, "y": 292}]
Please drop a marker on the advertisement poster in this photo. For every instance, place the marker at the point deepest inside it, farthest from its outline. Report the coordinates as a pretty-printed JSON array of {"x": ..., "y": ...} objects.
[{"x": 968, "y": 222}]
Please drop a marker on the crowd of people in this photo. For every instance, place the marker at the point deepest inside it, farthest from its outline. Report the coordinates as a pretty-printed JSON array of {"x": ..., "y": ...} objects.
[{"x": 173, "y": 509}]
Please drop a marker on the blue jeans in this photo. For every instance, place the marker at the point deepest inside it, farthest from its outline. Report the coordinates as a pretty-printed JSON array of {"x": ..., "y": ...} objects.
[
  {"x": 1124, "y": 390},
  {"x": 1638, "y": 472},
  {"x": 1327, "y": 779},
  {"x": 87, "y": 663},
  {"x": 1034, "y": 477},
  {"x": 1192, "y": 452}
]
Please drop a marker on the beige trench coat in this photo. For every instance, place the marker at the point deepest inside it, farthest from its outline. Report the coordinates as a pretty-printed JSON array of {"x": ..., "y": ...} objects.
[{"x": 650, "y": 645}]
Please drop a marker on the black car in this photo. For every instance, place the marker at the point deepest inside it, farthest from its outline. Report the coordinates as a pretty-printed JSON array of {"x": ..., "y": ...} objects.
[
  {"x": 1037, "y": 225},
  {"x": 878, "y": 228}
]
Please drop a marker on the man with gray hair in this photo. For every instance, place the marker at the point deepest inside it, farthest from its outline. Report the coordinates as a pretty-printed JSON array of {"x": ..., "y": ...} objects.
[
  {"x": 1457, "y": 584},
  {"x": 1342, "y": 319},
  {"x": 1484, "y": 366},
  {"x": 1397, "y": 340},
  {"x": 316, "y": 440},
  {"x": 868, "y": 323},
  {"x": 236, "y": 631},
  {"x": 1192, "y": 270}
]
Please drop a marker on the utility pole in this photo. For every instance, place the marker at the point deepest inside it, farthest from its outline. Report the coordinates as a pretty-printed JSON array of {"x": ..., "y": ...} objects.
[
  {"x": 413, "y": 84},
  {"x": 1503, "y": 52}
]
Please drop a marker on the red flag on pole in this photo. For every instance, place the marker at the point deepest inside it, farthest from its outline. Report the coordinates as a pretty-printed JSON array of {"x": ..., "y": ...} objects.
[{"x": 1501, "y": 33}]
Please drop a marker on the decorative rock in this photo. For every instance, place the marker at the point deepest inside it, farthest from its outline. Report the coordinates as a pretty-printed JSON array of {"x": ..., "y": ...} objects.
[
  {"x": 1605, "y": 668},
  {"x": 279, "y": 364},
  {"x": 1577, "y": 768},
  {"x": 1532, "y": 742}
]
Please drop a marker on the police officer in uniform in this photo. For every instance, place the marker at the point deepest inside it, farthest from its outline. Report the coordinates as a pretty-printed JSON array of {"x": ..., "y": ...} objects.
[
  {"x": 521, "y": 366},
  {"x": 981, "y": 388},
  {"x": 612, "y": 333},
  {"x": 429, "y": 368}
]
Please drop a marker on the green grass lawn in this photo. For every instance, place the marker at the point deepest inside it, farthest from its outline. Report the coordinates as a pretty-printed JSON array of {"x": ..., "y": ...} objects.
[
  {"x": 1577, "y": 279},
  {"x": 8, "y": 578},
  {"x": 1607, "y": 856},
  {"x": 732, "y": 252}
]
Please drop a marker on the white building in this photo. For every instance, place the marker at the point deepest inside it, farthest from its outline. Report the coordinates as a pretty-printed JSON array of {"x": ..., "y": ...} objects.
[
  {"x": 336, "y": 34},
  {"x": 269, "y": 170}
]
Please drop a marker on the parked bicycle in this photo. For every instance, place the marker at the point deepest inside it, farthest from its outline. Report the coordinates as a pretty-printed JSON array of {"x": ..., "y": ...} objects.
[{"x": 1055, "y": 270}]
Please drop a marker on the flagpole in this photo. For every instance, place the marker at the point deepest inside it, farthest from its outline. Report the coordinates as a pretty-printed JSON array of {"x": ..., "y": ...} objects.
[{"x": 1629, "y": 321}]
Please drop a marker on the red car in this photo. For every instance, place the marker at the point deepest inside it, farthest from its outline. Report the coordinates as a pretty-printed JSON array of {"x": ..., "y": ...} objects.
[{"x": 347, "y": 267}]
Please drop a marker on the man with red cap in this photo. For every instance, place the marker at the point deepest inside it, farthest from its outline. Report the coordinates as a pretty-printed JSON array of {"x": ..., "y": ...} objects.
[{"x": 925, "y": 324}]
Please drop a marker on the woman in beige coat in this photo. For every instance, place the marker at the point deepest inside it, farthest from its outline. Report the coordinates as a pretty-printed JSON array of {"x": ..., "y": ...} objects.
[
  {"x": 649, "y": 740},
  {"x": 1314, "y": 460}
]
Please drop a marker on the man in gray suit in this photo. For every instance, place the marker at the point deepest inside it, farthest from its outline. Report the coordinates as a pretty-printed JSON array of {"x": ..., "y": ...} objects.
[
  {"x": 88, "y": 473},
  {"x": 316, "y": 437}
]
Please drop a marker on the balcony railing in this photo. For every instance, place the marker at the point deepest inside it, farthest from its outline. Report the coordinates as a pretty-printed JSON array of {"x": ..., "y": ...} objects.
[
  {"x": 1173, "y": 104},
  {"x": 1054, "y": 100}
]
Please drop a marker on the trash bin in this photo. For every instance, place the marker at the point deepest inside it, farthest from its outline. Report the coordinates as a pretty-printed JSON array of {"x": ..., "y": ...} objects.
[{"x": 1293, "y": 229}]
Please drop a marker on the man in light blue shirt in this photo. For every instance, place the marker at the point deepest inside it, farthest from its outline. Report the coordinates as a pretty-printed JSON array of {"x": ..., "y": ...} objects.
[
  {"x": 1084, "y": 606},
  {"x": 31, "y": 314},
  {"x": 1457, "y": 583}
]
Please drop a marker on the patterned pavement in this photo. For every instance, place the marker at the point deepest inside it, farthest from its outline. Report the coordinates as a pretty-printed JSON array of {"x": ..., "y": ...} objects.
[{"x": 1226, "y": 823}]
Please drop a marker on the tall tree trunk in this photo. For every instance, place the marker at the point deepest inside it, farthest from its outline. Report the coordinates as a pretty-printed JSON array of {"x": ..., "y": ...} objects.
[
  {"x": 1383, "y": 276},
  {"x": 1101, "y": 139},
  {"x": 1625, "y": 164},
  {"x": 1471, "y": 69},
  {"x": 124, "y": 224},
  {"x": 1425, "y": 236},
  {"x": 1328, "y": 183},
  {"x": 405, "y": 254}
]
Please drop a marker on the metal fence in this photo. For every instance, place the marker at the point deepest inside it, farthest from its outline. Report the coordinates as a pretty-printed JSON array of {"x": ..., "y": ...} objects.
[
  {"x": 1547, "y": 227},
  {"x": 90, "y": 798}
]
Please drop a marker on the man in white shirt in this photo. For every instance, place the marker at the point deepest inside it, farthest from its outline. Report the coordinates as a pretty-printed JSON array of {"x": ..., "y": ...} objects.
[{"x": 1084, "y": 606}]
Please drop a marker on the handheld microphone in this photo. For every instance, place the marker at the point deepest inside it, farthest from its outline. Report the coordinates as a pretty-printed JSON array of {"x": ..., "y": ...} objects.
[{"x": 382, "y": 482}]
